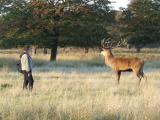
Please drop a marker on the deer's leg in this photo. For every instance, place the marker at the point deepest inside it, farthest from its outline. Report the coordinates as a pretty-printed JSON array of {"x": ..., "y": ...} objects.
[
  {"x": 140, "y": 77},
  {"x": 143, "y": 75},
  {"x": 118, "y": 73},
  {"x": 138, "y": 74}
]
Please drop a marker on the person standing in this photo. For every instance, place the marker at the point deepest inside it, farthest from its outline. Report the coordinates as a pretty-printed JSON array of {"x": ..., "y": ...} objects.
[{"x": 26, "y": 68}]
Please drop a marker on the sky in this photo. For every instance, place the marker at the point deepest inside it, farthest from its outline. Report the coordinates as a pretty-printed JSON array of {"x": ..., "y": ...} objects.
[{"x": 119, "y": 3}]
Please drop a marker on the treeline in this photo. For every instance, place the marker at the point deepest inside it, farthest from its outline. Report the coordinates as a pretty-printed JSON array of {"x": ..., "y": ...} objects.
[{"x": 81, "y": 23}]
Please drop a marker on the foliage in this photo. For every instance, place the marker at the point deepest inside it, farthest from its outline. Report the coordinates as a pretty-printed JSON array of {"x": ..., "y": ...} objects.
[
  {"x": 141, "y": 22},
  {"x": 48, "y": 23},
  {"x": 35, "y": 22}
]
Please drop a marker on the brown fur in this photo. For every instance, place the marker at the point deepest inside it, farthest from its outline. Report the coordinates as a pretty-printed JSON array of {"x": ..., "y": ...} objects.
[{"x": 121, "y": 64}]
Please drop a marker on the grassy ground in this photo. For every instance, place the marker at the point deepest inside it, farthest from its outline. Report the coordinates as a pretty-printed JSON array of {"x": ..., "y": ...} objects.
[{"x": 79, "y": 87}]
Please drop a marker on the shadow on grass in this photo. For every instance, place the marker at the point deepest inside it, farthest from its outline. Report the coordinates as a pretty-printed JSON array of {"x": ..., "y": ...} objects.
[
  {"x": 7, "y": 62},
  {"x": 107, "y": 117},
  {"x": 81, "y": 65},
  {"x": 77, "y": 63},
  {"x": 5, "y": 86},
  {"x": 11, "y": 64},
  {"x": 68, "y": 66},
  {"x": 127, "y": 92}
]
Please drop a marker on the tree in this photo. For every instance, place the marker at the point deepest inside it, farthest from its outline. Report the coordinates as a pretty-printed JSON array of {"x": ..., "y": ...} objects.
[
  {"x": 84, "y": 25},
  {"x": 32, "y": 22},
  {"x": 43, "y": 22},
  {"x": 141, "y": 22}
]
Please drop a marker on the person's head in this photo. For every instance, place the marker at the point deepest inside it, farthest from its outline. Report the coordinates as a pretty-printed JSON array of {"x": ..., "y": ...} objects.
[{"x": 27, "y": 48}]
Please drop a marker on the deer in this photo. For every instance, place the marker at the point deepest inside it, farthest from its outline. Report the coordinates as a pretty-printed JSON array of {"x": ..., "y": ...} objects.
[{"x": 122, "y": 64}]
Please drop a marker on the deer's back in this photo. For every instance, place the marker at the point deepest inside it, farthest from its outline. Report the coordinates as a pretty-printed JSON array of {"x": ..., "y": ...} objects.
[{"x": 121, "y": 63}]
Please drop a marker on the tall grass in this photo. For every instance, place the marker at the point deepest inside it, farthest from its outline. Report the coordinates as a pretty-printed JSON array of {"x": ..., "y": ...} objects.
[{"x": 78, "y": 87}]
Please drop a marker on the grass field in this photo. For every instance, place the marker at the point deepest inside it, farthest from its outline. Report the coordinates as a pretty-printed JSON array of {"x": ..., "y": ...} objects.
[{"x": 79, "y": 86}]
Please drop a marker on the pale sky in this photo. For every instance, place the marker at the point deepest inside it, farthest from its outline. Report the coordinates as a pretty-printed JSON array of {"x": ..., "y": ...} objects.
[{"x": 119, "y": 3}]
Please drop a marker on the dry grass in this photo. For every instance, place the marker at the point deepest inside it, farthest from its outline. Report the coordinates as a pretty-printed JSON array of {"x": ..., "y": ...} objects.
[{"x": 78, "y": 87}]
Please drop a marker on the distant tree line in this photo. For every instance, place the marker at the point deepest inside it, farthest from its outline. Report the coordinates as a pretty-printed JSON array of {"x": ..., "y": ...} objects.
[
  {"x": 81, "y": 23},
  {"x": 140, "y": 23}
]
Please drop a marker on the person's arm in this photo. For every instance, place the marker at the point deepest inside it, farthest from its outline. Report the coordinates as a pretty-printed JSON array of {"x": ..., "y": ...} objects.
[{"x": 25, "y": 63}]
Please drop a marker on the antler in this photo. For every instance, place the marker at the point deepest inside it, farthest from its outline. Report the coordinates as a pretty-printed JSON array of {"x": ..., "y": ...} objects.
[
  {"x": 106, "y": 43},
  {"x": 109, "y": 43},
  {"x": 121, "y": 43}
]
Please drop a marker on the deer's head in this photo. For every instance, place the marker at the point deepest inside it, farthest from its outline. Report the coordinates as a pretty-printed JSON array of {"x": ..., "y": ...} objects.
[{"x": 108, "y": 45}]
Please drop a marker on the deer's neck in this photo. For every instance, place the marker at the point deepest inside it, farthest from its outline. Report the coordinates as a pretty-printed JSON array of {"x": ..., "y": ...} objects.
[
  {"x": 109, "y": 54},
  {"x": 109, "y": 57}
]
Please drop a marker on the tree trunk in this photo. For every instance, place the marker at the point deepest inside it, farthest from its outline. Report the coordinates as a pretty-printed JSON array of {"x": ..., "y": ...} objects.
[
  {"x": 138, "y": 49},
  {"x": 86, "y": 49},
  {"x": 45, "y": 51},
  {"x": 55, "y": 45},
  {"x": 34, "y": 50},
  {"x": 54, "y": 53}
]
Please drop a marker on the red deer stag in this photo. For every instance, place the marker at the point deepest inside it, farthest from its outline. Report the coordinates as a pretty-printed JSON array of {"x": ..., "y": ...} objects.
[{"x": 121, "y": 64}]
